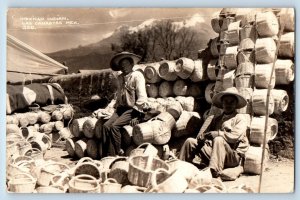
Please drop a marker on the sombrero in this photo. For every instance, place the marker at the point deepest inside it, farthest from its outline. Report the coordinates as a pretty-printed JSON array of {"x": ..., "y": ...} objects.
[
  {"x": 216, "y": 100},
  {"x": 114, "y": 63}
]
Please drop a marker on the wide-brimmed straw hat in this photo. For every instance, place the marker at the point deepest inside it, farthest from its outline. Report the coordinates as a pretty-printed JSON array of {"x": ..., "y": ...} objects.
[
  {"x": 217, "y": 99},
  {"x": 114, "y": 63}
]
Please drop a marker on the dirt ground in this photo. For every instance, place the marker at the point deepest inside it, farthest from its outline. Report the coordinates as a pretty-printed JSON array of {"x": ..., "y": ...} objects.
[{"x": 277, "y": 178}]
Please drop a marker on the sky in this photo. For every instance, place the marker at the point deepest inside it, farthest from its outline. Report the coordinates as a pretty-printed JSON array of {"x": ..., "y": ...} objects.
[{"x": 53, "y": 29}]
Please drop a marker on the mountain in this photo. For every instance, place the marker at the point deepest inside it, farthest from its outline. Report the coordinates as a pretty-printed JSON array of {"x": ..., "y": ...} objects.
[{"x": 97, "y": 55}]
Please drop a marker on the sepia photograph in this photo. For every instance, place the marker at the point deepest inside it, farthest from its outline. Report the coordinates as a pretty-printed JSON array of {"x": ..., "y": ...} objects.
[{"x": 150, "y": 100}]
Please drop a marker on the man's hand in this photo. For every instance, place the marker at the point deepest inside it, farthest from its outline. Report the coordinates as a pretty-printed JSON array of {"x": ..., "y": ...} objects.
[
  {"x": 134, "y": 122},
  {"x": 211, "y": 134}
]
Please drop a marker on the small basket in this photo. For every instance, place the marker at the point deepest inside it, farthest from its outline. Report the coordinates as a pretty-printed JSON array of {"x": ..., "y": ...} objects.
[
  {"x": 49, "y": 170},
  {"x": 84, "y": 183},
  {"x": 22, "y": 183},
  {"x": 110, "y": 185},
  {"x": 88, "y": 166}
]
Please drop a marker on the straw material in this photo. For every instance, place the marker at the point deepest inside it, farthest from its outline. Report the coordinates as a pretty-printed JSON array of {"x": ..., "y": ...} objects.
[
  {"x": 44, "y": 117},
  {"x": 174, "y": 108},
  {"x": 216, "y": 23},
  {"x": 188, "y": 103},
  {"x": 70, "y": 146},
  {"x": 228, "y": 79},
  {"x": 47, "y": 128},
  {"x": 233, "y": 36},
  {"x": 119, "y": 170},
  {"x": 267, "y": 24},
  {"x": 88, "y": 127},
  {"x": 252, "y": 163},
  {"x": 32, "y": 117},
  {"x": 257, "y": 129},
  {"x": 212, "y": 69},
  {"x": 80, "y": 147},
  {"x": 166, "y": 89},
  {"x": 92, "y": 149},
  {"x": 12, "y": 128},
  {"x": 248, "y": 31},
  {"x": 180, "y": 88},
  {"x": 58, "y": 125},
  {"x": 246, "y": 56},
  {"x": 247, "y": 16},
  {"x": 152, "y": 90},
  {"x": 262, "y": 76},
  {"x": 142, "y": 133},
  {"x": 68, "y": 111},
  {"x": 247, "y": 94},
  {"x": 187, "y": 124},
  {"x": 200, "y": 72},
  {"x": 214, "y": 47},
  {"x": 141, "y": 169},
  {"x": 12, "y": 119},
  {"x": 57, "y": 115},
  {"x": 194, "y": 90},
  {"x": 65, "y": 133},
  {"x": 226, "y": 22},
  {"x": 161, "y": 132},
  {"x": 184, "y": 67},
  {"x": 23, "y": 120},
  {"x": 230, "y": 57},
  {"x": 49, "y": 170},
  {"x": 246, "y": 44},
  {"x": 287, "y": 45},
  {"x": 84, "y": 184},
  {"x": 287, "y": 17},
  {"x": 281, "y": 100},
  {"x": 152, "y": 73},
  {"x": 110, "y": 185},
  {"x": 22, "y": 183},
  {"x": 209, "y": 92},
  {"x": 76, "y": 126},
  {"x": 265, "y": 49},
  {"x": 88, "y": 166},
  {"x": 167, "y": 70},
  {"x": 259, "y": 100},
  {"x": 284, "y": 71}
]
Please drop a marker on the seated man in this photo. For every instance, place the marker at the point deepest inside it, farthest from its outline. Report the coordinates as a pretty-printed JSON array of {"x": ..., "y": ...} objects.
[{"x": 222, "y": 140}]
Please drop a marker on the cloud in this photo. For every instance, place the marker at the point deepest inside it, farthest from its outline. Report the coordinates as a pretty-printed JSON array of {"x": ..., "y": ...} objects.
[
  {"x": 148, "y": 22},
  {"x": 118, "y": 13},
  {"x": 196, "y": 18}
]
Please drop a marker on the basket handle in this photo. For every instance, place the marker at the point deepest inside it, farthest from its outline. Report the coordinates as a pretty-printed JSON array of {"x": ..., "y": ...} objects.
[
  {"x": 32, "y": 150},
  {"x": 116, "y": 160},
  {"x": 85, "y": 159},
  {"x": 153, "y": 177},
  {"x": 81, "y": 176},
  {"x": 143, "y": 145},
  {"x": 110, "y": 180},
  {"x": 24, "y": 174},
  {"x": 59, "y": 183}
]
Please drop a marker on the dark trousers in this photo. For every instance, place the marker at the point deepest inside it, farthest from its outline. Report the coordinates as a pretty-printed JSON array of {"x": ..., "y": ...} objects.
[
  {"x": 112, "y": 129},
  {"x": 218, "y": 153}
]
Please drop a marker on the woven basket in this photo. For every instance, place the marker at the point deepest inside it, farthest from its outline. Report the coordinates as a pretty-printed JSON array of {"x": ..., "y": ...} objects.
[
  {"x": 88, "y": 166},
  {"x": 287, "y": 45},
  {"x": 152, "y": 90},
  {"x": 49, "y": 170},
  {"x": 58, "y": 125},
  {"x": 188, "y": 103},
  {"x": 84, "y": 184},
  {"x": 80, "y": 147},
  {"x": 67, "y": 110},
  {"x": 49, "y": 189},
  {"x": 247, "y": 94},
  {"x": 34, "y": 153},
  {"x": 110, "y": 185},
  {"x": 47, "y": 128},
  {"x": 22, "y": 183},
  {"x": 139, "y": 67},
  {"x": 174, "y": 108},
  {"x": 212, "y": 69},
  {"x": 119, "y": 170},
  {"x": 13, "y": 128},
  {"x": 284, "y": 71},
  {"x": 209, "y": 92},
  {"x": 228, "y": 79},
  {"x": 214, "y": 47},
  {"x": 163, "y": 181},
  {"x": 267, "y": 24},
  {"x": 141, "y": 169},
  {"x": 88, "y": 127},
  {"x": 252, "y": 163},
  {"x": 32, "y": 117},
  {"x": 233, "y": 36},
  {"x": 287, "y": 18},
  {"x": 23, "y": 120},
  {"x": 200, "y": 72},
  {"x": 216, "y": 23},
  {"x": 228, "y": 12},
  {"x": 246, "y": 56},
  {"x": 161, "y": 132},
  {"x": 244, "y": 81},
  {"x": 245, "y": 68},
  {"x": 187, "y": 124},
  {"x": 44, "y": 117},
  {"x": 248, "y": 31},
  {"x": 57, "y": 115},
  {"x": 152, "y": 73},
  {"x": 142, "y": 132},
  {"x": 184, "y": 67},
  {"x": 23, "y": 146},
  {"x": 92, "y": 149},
  {"x": 262, "y": 76},
  {"x": 246, "y": 45},
  {"x": 61, "y": 181},
  {"x": 230, "y": 57},
  {"x": 265, "y": 49},
  {"x": 248, "y": 17},
  {"x": 145, "y": 149},
  {"x": 76, "y": 127},
  {"x": 194, "y": 90},
  {"x": 203, "y": 177},
  {"x": 180, "y": 88},
  {"x": 70, "y": 146},
  {"x": 167, "y": 70},
  {"x": 257, "y": 130},
  {"x": 281, "y": 100},
  {"x": 166, "y": 89},
  {"x": 259, "y": 105},
  {"x": 188, "y": 170},
  {"x": 226, "y": 22},
  {"x": 65, "y": 133},
  {"x": 12, "y": 119},
  {"x": 19, "y": 167}
]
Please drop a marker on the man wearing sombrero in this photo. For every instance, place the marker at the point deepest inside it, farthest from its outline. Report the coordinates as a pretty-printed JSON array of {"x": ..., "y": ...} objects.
[
  {"x": 131, "y": 101},
  {"x": 222, "y": 140}
]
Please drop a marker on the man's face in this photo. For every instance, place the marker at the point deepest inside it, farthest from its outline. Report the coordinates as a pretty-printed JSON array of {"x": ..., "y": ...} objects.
[
  {"x": 126, "y": 66},
  {"x": 229, "y": 103}
]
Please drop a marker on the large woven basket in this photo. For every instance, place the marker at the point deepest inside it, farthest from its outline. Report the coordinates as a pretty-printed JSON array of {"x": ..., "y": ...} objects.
[
  {"x": 231, "y": 57},
  {"x": 216, "y": 24},
  {"x": 44, "y": 117},
  {"x": 57, "y": 115},
  {"x": 265, "y": 49},
  {"x": 77, "y": 125},
  {"x": 226, "y": 22},
  {"x": 88, "y": 127},
  {"x": 212, "y": 69},
  {"x": 257, "y": 129},
  {"x": 119, "y": 170},
  {"x": 152, "y": 90},
  {"x": 214, "y": 47},
  {"x": 252, "y": 163},
  {"x": 152, "y": 73},
  {"x": 80, "y": 147},
  {"x": 246, "y": 56},
  {"x": 141, "y": 169},
  {"x": 233, "y": 36},
  {"x": 88, "y": 166},
  {"x": 184, "y": 67},
  {"x": 284, "y": 71},
  {"x": 12, "y": 119},
  {"x": 259, "y": 100},
  {"x": 281, "y": 100},
  {"x": 142, "y": 132},
  {"x": 267, "y": 24},
  {"x": 287, "y": 17},
  {"x": 194, "y": 90},
  {"x": 145, "y": 149},
  {"x": 188, "y": 103},
  {"x": 247, "y": 94},
  {"x": 246, "y": 45},
  {"x": 12, "y": 128},
  {"x": 165, "y": 89},
  {"x": 32, "y": 117},
  {"x": 187, "y": 124},
  {"x": 70, "y": 146},
  {"x": 167, "y": 70},
  {"x": 228, "y": 79},
  {"x": 200, "y": 71},
  {"x": 287, "y": 45},
  {"x": 174, "y": 108},
  {"x": 180, "y": 88},
  {"x": 49, "y": 170},
  {"x": 262, "y": 76},
  {"x": 110, "y": 185}
]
